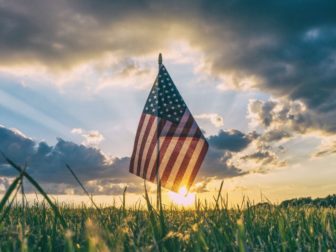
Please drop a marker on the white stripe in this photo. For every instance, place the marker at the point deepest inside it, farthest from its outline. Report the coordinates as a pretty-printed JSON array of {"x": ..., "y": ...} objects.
[
  {"x": 152, "y": 162},
  {"x": 150, "y": 137},
  {"x": 142, "y": 132},
  {"x": 172, "y": 145},
  {"x": 192, "y": 163},
  {"x": 178, "y": 161}
]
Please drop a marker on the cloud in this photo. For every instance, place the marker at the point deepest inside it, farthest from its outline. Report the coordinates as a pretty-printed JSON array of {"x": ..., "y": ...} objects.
[
  {"x": 274, "y": 50},
  {"x": 214, "y": 118},
  {"x": 265, "y": 160},
  {"x": 101, "y": 173},
  {"x": 231, "y": 140},
  {"x": 275, "y": 135},
  {"x": 91, "y": 138},
  {"x": 47, "y": 164},
  {"x": 326, "y": 147},
  {"x": 222, "y": 147},
  {"x": 282, "y": 117}
]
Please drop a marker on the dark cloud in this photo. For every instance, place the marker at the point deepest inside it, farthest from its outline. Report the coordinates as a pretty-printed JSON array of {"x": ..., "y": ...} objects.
[
  {"x": 221, "y": 148},
  {"x": 265, "y": 159},
  {"x": 231, "y": 140},
  {"x": 275, "y": 135},
  {"x": 288, "y": 45},
  {"x": 47, "y": 164},
  {"x": 217, "y": 163},
  {"x": 100, "y": 173},
  {"x": 283, "y": 117}
]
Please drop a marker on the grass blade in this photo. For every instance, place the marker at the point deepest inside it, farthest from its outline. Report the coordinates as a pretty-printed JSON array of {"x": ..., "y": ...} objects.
[{"x": 38, "y": 187}]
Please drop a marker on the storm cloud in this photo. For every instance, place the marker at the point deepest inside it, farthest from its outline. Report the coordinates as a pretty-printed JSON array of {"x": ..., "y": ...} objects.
[
  {"x": 47, "y": 164},
  {"x": 286, "y": 48},
  {"x": 102, "y": 174}
]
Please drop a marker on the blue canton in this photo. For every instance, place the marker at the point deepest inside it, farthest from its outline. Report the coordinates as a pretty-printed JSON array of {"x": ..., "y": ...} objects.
[{"x": 164, "y": 99}]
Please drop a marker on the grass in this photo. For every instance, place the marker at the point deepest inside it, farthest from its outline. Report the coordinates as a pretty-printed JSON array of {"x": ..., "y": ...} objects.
[
  {"x": 46, "y": 226},
  {"x": 263, "y": 228}
]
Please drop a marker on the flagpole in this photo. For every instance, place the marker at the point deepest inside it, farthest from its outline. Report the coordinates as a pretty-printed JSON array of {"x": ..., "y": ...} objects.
[{"x": 158, "y": 199}]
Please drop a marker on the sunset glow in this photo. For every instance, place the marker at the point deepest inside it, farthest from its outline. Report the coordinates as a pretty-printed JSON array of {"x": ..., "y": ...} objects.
[{"x": 182, "y": 198}]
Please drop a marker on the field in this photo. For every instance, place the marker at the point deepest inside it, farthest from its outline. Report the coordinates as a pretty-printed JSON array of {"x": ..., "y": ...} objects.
[
  {"x": 259, "y": 228},
  {"x": 211, "y": 226}
]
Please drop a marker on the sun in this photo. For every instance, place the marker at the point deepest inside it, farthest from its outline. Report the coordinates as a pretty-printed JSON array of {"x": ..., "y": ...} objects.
[{"x": 182, "y": 198}]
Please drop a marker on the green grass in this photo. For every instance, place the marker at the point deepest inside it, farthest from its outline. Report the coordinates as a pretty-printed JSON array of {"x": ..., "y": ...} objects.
[
  {"x": 263, "y": 228},
  {"x": 46, "y": 226}
]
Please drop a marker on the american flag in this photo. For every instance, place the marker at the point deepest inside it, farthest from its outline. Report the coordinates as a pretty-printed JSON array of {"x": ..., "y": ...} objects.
[{"x": 177, "y": 154}]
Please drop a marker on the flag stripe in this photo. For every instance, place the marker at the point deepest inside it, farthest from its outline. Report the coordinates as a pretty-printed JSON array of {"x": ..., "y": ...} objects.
[
  {"x": 190, "y": 154},
  {"x": 153, "y": 154},
  {"x": 143, "y": 142},
  {"x": 152, "y": 137},
  {"x": 200, "y": 159},
  {"x": 176, "y": 152},
  {"x": 142, "y": 131},
  {"x": 182, "y": 178},
  {"x": 180, "y": 142},
  {"x": 185, "y": 156},
  {"x": 142, "y": 118},
  {"x": 165, "y": 146}
]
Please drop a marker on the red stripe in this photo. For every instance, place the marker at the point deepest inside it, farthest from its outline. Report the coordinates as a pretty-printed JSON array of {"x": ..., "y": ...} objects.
[
  {"x": 175, "y": 153},
  {"x": 163, "y": 149},
  {"x": 143, "y": 142},
  {"x": 185, "y": 163},
  {"x": 152, "y": 148},
  {"x": 198, "y": 164},
  {"x": 142, "y": 118}
]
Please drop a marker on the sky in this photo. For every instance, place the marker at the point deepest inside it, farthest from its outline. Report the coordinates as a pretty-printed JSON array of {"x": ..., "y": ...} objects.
[{"x": 259, "y": 78}]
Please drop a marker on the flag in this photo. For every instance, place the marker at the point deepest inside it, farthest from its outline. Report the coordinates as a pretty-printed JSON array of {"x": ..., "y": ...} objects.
[{"x": 168, "y": 143}]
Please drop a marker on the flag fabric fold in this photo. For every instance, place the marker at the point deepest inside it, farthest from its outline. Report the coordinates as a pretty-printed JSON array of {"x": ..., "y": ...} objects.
[{"x": 169, "y": 145}]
